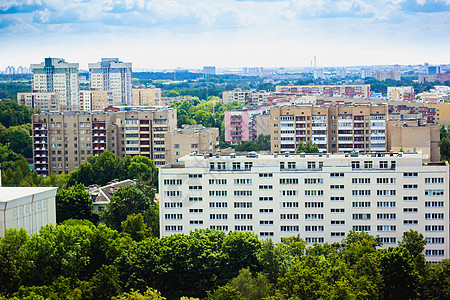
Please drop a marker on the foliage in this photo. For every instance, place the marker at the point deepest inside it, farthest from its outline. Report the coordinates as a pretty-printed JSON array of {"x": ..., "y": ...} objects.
[
  {"x": 127, "y": 201},
  {"x": 135, "y": 226},
  {"x": 75, "y": 203},
  {"x": 13, "y": 114},
  {"x": 149, "y": 294},
  {"x": 251, "y": 288},
  {"x": 263, "y": 142},
  {"x": 308, "y": 147},
  {"x": 246, "y": 146}
]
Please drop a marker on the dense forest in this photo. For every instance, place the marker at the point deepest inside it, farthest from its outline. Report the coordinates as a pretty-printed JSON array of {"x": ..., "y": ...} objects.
[{"x": 77, "y": 260}]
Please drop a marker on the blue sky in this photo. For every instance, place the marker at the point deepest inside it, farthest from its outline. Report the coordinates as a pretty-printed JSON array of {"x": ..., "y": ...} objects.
[{"x": 226, "y": 33}]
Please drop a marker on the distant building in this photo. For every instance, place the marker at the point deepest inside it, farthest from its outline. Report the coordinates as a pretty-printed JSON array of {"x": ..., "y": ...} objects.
[
  {"x": 27, "y": 207},
  {"x": 237, "y": 95},
  {"x": 85, "y": 100},
  {"x": 146, "y": 96},
  {"x": 45, "y": 101},
  {"x": 318, "y": 73},
  {"x": 57, "y": 75},
  {"x": 350, "y": 91},
  {"x": 240, "y": 125},
  {"x": 191, "y": 138},
  {"x": 101, "y": 99},
  {"x": 431, "y": 70},
  {"x": 114, "y": 75},
  {"x": 209, "y": 70},
  {"x": 366, "y": 73},
  {"x": 383, "y": 75},
  {"x": 401, "y": 93}
]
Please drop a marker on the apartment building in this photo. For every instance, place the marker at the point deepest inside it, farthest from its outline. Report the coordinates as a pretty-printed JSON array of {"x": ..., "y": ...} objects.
[
  {"x": 350, "y": 91},
  {"x": 114, "y": 75},
  {"x": 401, "y": 93},
  {"x": 45, "y": 101},
  {"x": 189, "y": 139},
  {"x": 146, "y": 96},
  {"x": 414, "y": 135},
  {"x": 334, "y": 129},
  {"x": 383, "y": 75},
  {"x": 85, "y": 100},
  {"x": 320, "y": 197},
  {"x": 57, "y": 75},
  {"x": 237, "y": 95},
  {"x": 62, "y": 141},
  {"x": 240, "y": 125}
]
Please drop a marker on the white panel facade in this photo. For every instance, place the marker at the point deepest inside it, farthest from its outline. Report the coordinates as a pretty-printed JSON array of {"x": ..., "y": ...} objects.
[{"x": 320, "y": 197}]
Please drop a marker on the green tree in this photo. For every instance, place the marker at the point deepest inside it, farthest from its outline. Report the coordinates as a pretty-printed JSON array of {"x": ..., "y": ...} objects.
[
  {"x": 75, "y": 203},
  {"x": 263, "y": 142},
  {"x": 308, "y": 147},
  {"x": 225, "y": 293},
  {"x": 250, "y": 287},
  {"x": 20, "y": 140},
  {"x": 246, "y": 146},
  {"x": 127, "y": 201},
  {"x": 445, "y": 148},
  {"x": 443, "y": 132},
  {"x": 135, "y": 226},
  {"x": 400, "y": 278},
  {"x": 172, "y": 93}
]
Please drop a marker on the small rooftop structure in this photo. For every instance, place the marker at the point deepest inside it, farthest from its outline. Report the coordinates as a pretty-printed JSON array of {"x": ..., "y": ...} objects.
[{"x": 101, "y": 196}]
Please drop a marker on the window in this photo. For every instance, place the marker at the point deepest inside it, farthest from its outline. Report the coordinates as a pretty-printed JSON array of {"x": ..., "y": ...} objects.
[
  {"x": 337, "y": 234},
  {"x": 434, "y": 227},
  {"x": 265, "y": 187},
  {"x": 435, "y": 240},
  {"x": 386, "y": 216},
  {"x": 360, "y": 180},
  {"x": 310, "y": 217},
  {"x": 217, "y": 181},
  {"x": 361, "y": 216},
  {"x": 360, "y": 192},
  {"x": 288, "y": 180},
  {"x": 410, "y": 174},
  {"x": 386, "y": 204},
  {"x": 218, "y": 216},
  {"x": 410, "y": 198},
  {"x": 172, "y": 193},
  {"x": 217, "y": 193},
  {"x": 173, "y": 205},
  {"x": 242, "y": 205},
  {"x": 336, "y": 187},
  {"x": 195, "y": 187},
  {"x": 385, "y": 180},
  {"x": 289, "y": 216},
  {"x": 289, "y": 193},
  {"x": 236, "y": 165},
  {"x": 333, "y": 175},
  {"x": 386, "y": 228},
  {"x": 434, "y": 203},
  {"x": 433, "y": 252},
  {"x": 361, "y": 228},
  {"x": 434, "y": 216},
  {"x": 173, "y": 216},
  {"x": 266, "y": 222},
  {"x": 289, "y": 204},
  {"x": 242, "y": 181},
  {"x": 195, "y": 199},
  {"x": 434, "y": 180},
  {"x": 194, "y": 146},
  {"x": 248, "y": 165},
  {"x": 195, "y": 175},
  {"x": 313, "y": 192},
  {"x": 337, "y": 222},
  {"x": 175, "y": 228},
  {"x": 434, "y": 192},
  {"x": 313, "y": 240},
  {"x": 219, "y": 227},
  {"x": 355, "y": 165},
  {"x": 411, "y": 187},
  {"x": 386, "y": 192},
  {"x": 361, "y": 204},
  {"x": 243, "y": 228},
  {"x": 266, "y": 210},
  {"x": 368, "y": 164},
  {"x": 311, "y": 164},
  {"x": 265, "y": 234},
  {"x": 265, "y": 198},
  {"x": 313, "y": 180},
  {"x": 221, "y": 166},
  {"x": 383, "y": 164},
  {"x": 218, "y": 204},
  {"x": 243, "y": 193},
  {"x": 410, "y": 210},
  {"x": 289, "y": 228},
  {"x": 196, "y": 210},
  {"x": 313, "y": 228},
  {"x": 337, "y": 210},
  {"x": 265, "y": 175},
  {"x": 196, "y": 222},
  {"x": 243, "y": 216},
  {"x": 335, "y": 198},
  {"x": 313, "y": 204},
  {"x": 388, "y": 240}
]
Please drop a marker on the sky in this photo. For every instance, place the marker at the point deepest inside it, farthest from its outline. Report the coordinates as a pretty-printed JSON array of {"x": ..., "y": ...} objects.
[{"x": 164, "y": 34}]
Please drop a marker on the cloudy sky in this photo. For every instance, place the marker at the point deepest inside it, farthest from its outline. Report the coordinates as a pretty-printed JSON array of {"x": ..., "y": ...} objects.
[{"x": 227, "y": 33}]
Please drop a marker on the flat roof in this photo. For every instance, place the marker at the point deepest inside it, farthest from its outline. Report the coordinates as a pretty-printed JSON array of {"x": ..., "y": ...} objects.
[{"x": 11, "y": 193}]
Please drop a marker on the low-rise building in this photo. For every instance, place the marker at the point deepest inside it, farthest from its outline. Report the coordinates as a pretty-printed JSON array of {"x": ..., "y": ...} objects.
[
  {"x": 401, "y": 93},
  {"x": 101, "y": 196},
  {"x": 350, "y": 91},
  {"x": 147, "y": 96},
  {"x": 320, "y": 197},
  {"x": 27, "y": 207}
]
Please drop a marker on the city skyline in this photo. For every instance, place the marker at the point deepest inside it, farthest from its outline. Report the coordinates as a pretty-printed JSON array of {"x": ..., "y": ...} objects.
[{"x": 226, "y": 33}]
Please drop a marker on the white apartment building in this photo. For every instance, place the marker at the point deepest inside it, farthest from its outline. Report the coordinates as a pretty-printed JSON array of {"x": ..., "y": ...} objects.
[
  {"x": 112, "y": 74},
  {"x": 319, "y": 196},
  {"x": 57, "y": 75}
]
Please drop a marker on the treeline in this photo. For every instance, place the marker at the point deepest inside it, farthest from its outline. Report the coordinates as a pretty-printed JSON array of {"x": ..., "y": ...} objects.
[
  {"x": 9, "y": 90},
  {"x": 77, "y": 260}
]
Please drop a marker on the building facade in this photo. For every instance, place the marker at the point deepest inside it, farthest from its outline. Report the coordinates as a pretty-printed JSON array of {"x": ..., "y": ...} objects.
[
  {"x": 334, "y": 129},
  {"x": 319, "y": 197},
  {"x": 240, "y": 125},
  {"x": 45, "y": 101},
  {"x": 401, "y": 93},
  {"x": 57, "y": 75},
  {"x": 350, "y": 91},
  {"x": 114, "y": 75},
  {"x": 146, "y": 96},
  {"x": 27, "y": 207},
  {"x": 191, "y": 138},
  {"x": 237, "y": 95},
  {"x": 62, "y": 141}
]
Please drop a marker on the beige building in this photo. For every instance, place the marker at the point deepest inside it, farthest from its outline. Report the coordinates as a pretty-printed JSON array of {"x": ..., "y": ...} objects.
[
  {"x": 260, "y": 125},
  {"x": 435, "y": 97},
  {"x": 85, "y": 100},
  {"x": 414, "y": 135},
  {"x": 147, "y": 96},
  {"x": 101, "y": 99},
  {"x": 349, "y": 90},
  {"x": 237, "y": 95},
  {"x": 62, "y": 141},
  {"x": 401, "y": 93},
  {"x": 45, "y": 101},
  {"x": 334, "y": 129},
  {"x": 27, "y": 207},
  {"x": 191, "y": 138}
]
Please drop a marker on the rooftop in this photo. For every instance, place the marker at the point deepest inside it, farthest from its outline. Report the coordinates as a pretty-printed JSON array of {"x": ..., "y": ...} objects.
[{"x": 11, "y": 193}]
